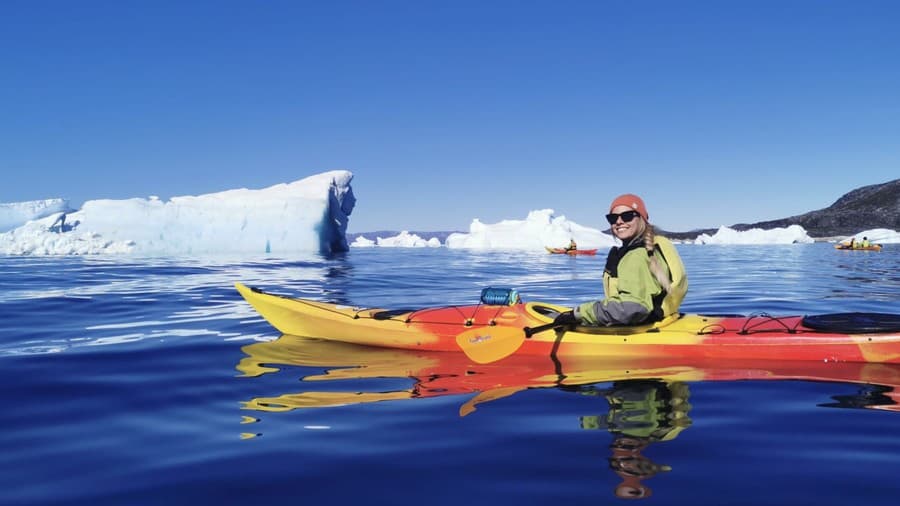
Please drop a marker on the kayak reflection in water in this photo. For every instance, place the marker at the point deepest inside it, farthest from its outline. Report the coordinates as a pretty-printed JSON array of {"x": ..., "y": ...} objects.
[{"x": 641, "y": 412}]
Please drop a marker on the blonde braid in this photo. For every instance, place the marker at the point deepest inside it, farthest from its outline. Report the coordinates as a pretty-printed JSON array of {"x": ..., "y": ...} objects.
[{"x": 650, "y": 244}]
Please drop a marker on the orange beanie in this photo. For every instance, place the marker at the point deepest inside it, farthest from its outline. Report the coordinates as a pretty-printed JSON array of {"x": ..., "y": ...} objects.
[{"x": 632, "y": 201}]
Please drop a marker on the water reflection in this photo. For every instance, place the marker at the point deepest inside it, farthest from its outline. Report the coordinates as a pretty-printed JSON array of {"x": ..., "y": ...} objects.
[
  {"x": 648, "y": 399},
  {"x": 868, "y": 396},
  {"x": 641, "y": 412},
  {"x": 436, "y": 374}
]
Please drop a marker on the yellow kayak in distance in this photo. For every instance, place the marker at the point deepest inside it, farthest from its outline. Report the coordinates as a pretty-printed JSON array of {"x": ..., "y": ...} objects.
[{"x": 845, "y": 246}]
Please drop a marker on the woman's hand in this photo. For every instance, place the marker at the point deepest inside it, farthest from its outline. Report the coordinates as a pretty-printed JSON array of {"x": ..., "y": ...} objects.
[{"x": 566, "y": 318}]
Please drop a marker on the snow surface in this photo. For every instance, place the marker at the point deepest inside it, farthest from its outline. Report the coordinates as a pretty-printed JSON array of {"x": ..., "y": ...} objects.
[
  {"x": 310, "y": 214},
  {"x": 16, "y": 214}
]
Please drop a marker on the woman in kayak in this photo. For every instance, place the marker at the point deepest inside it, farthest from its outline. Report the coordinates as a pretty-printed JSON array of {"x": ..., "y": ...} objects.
[{"x": 644, "y": 279}]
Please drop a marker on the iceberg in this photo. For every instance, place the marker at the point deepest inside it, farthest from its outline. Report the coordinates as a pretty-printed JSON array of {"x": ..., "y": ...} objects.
[
  {"x": 402, "y": 240},
  {"x": 310, "y": 214},
  {"x": 794, "y": 234},
  {"x": 877, "y": 236},
  {"x": 541, "y": 228}
]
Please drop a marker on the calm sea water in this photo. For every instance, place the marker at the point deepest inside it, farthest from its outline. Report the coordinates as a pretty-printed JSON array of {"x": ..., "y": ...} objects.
[{"x": 150, "y": 381}]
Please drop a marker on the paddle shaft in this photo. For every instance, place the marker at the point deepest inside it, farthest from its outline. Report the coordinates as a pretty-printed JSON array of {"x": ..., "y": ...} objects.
[{"x": 530, "y": 331}]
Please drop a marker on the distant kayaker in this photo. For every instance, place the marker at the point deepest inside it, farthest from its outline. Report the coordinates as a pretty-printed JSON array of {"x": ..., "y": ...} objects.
[
  {"x": 865, "y": 242},
  {"x": 852, "y": 242},
  {"x": 644, "y": 278},
  {"x": 572, "y": 246}
]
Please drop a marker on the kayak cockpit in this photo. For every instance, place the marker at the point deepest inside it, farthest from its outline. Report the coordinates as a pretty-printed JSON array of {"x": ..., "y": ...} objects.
[{"x": 548, "y": 312}]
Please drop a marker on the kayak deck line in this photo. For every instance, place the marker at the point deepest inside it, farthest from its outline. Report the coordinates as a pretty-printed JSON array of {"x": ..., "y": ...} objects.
[{"x": 411, "y": 315}]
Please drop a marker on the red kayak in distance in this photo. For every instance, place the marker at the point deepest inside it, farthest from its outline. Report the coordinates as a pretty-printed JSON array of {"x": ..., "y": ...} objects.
[{"x": 564, "y": 251}]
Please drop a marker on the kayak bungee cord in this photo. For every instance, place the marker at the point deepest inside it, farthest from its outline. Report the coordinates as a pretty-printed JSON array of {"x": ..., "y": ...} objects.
[
  {"x": 752, "y": 322},
  {"x": 468, "y": 321},
  {"x": 746, "y": 328},
  {"x": 391, "y": 315}
]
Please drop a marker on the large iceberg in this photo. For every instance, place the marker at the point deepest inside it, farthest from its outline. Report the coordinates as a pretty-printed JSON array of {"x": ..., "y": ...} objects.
[
  {"x": 310, "y": 214},
  {"x": 16, "y": 214}
]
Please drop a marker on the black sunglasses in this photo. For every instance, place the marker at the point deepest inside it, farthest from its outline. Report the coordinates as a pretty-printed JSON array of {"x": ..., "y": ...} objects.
[{"x": 627, "y": 216}]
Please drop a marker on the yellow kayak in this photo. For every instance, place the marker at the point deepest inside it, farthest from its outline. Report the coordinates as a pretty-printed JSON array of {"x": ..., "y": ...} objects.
[
  {"x": 845, "y": 246},
  {"x": 489, "y": 332}
]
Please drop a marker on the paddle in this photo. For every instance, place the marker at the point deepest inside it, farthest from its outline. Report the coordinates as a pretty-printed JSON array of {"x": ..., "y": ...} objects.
[
  {"x": 529, "y": 331},
  {"x": 489, "y": 344}
]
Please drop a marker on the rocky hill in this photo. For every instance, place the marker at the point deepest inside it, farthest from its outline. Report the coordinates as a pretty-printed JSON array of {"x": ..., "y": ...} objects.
[{"x": 875, "y": 206}]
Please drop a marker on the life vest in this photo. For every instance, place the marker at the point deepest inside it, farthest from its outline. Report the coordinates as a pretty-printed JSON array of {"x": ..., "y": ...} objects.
[{"x": 665, "y": 303}]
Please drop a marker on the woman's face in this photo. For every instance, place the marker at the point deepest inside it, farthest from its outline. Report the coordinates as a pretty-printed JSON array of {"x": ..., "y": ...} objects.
[{"x": 625, "y": 231}]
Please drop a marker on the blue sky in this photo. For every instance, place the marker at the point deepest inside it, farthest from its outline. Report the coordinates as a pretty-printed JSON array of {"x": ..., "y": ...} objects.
[{"x": 716, "y": 112}]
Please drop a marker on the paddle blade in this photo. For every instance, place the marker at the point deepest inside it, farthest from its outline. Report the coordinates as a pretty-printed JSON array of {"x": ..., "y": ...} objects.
[{"x": 489, "y": 344}]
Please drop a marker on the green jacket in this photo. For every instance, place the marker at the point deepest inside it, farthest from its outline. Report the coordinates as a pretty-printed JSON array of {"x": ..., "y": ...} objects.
[{"x": 629, "y": 286}]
